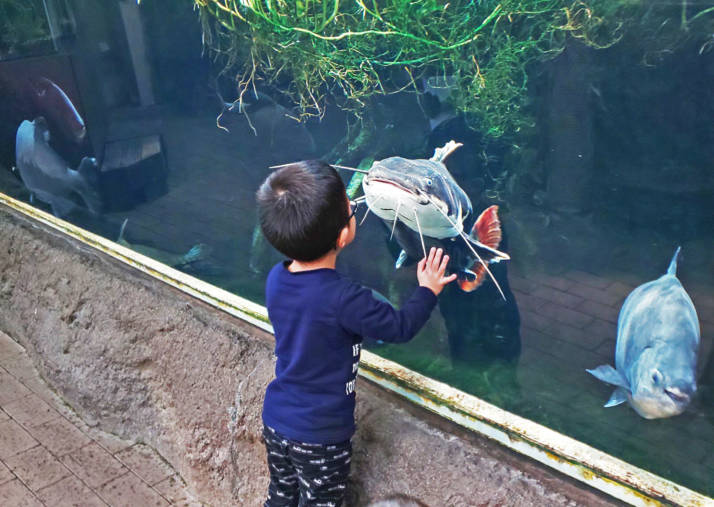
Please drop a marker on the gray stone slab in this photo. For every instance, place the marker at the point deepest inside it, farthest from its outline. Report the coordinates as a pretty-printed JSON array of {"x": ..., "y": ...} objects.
[
  {"x": 18, "y": 365},
  {"x": 15, "y": 494},
  {"x": 130, "y": 491},
  {"x": 5, "y": 473},
  {"x": 38, "y": 386},
  {"x": 14, "y": 439},
  {"x": 70, "y": 492},
  {"x": 59, "y": 436},
  {"x": 11, "y": 389},
  {"x": 8, "y": 346},
  {"x": 94, "y": 465},
  {"x": 37, "y": 468},
  {"x": 31, "y": 411}
]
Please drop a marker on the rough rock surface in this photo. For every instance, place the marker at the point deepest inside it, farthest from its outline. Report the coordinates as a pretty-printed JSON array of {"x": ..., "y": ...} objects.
[{"x": 146, "y": 362}]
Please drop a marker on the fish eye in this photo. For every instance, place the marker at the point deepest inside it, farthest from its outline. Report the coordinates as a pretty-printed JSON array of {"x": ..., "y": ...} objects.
[
  {"x": 429, "y": 182},
  {"x": 656, "y": 377}
]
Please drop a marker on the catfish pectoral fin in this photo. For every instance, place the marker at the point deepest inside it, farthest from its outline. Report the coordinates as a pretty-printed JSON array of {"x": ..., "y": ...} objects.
[
  {"x": 619, "y": 395},
  {"x": 197, "y": 252},
  {"x": 401, "y": 259}
]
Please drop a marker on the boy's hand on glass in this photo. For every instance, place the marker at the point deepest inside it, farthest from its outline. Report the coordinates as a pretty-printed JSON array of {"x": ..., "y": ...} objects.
[{"x": 431, "y": 269}]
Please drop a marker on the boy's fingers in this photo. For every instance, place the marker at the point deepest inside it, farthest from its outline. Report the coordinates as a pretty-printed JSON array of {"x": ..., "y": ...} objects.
[
  {"x": 444, "y": 262},
  {"x": 430, "y": 259},
  {"x": 449, "y": 279},
  {"x": 421, "y": 264},
  {"x": 436, "y": 259}
]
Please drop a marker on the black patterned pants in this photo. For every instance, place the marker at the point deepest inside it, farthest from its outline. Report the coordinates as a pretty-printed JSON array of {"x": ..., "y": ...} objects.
[{"x": 303, "y": 474}]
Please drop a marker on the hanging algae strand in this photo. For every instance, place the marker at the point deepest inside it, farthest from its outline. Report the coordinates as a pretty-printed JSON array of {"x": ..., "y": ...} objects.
[{"x": 346, "y": 51}]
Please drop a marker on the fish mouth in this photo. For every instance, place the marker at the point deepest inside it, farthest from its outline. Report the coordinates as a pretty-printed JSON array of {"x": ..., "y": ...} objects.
[
  {"x": 390, "y": 182},
  {"x": 677, "y": 395},
  {"x": 415, "y": 193}
]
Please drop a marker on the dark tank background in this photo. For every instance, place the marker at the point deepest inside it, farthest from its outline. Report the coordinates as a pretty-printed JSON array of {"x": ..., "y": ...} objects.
[{"x": 594, "y": 198}]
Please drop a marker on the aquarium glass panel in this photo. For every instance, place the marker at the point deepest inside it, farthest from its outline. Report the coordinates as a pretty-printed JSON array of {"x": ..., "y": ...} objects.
[{"x": 579, "y": 192}]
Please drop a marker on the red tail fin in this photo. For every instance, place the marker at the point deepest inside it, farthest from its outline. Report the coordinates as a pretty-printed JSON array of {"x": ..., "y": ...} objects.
[{"x": 487, "y": 230}]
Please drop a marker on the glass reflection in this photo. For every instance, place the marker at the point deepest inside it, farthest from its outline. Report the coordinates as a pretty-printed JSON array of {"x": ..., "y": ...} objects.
[{"x": 595, "y": 145}]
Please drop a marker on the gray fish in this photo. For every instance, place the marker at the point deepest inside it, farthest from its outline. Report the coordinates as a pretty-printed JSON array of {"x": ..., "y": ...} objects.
[
  {"x": 656, "y": 352},
  {"x": 46, "y": 175},
  {"x": 424, "y": 206},
  {"x": 196, "y": 253}
]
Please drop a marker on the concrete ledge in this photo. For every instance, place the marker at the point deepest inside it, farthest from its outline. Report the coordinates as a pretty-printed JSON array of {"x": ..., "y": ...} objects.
[{"x": 143, "y": 360}]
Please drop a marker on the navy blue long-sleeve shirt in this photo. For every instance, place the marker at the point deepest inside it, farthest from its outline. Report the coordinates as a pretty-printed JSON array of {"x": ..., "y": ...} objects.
[{"x": 319, "y": 318}]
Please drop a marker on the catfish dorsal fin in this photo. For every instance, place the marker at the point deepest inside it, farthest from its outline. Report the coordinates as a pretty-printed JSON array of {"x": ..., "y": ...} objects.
[
  {"x": 487, "y": 229},
  {"x": 672, "y": 269}
]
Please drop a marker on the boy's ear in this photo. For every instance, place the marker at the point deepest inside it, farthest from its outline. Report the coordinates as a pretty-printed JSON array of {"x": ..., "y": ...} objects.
[{"x": 343, "y": 237}]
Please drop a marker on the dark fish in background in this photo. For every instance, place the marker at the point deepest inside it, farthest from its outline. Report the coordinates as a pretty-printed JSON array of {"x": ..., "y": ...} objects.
[
  {"x": 52, "y": 102},
  {"x": 195, "y": 254},
  {"x": 657, "y": 346},
  {"x": 47, "y": 176},
  {"x": 259, "y": 117}
]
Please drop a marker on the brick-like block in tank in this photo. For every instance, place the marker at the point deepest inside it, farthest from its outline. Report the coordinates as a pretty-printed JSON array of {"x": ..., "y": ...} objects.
[{"x": 133, "y": 171}]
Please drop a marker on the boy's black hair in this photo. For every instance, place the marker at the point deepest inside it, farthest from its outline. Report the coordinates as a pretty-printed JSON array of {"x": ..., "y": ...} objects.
[{"x": 302, "y": 208}]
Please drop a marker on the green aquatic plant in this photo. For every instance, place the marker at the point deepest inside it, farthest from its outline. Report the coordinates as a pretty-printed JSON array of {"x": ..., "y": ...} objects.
[{"x": 346, "y": 51}]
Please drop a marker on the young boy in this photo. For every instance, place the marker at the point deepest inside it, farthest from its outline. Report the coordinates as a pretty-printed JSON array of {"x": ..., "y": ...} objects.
[{"x": 319, "y": 318}]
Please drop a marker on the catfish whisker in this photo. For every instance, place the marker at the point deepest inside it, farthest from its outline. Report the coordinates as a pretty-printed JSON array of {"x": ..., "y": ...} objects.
[
  {"x": 396, "y": 217},
  {"x": 463, "y": 236},
  {"x": 281, "y": 165},
  {"x": 368, "y": 207},
  {"x": 349, "y": 168},
  {"x": 421, "y": 236},
  {"x": 365, "y": 216},
  {"x": 290, "y": 163}
]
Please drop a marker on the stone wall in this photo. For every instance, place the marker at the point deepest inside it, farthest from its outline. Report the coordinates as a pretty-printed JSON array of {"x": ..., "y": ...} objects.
[{"x": 144, "y": 361}]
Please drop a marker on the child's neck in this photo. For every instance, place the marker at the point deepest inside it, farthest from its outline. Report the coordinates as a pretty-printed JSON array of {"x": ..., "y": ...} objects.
[{"x": 328, "y": 261}]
